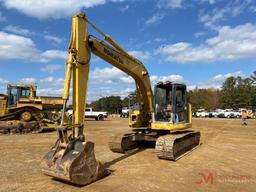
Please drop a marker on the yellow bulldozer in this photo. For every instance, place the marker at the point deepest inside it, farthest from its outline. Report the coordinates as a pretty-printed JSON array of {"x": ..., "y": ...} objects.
[
  {"x": 163, "y": 117},
  {"x": 22, "y": 111}
]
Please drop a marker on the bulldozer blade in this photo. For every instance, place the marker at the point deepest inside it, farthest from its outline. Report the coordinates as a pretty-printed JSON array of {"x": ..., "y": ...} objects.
[{"x": 76, "y": 163}]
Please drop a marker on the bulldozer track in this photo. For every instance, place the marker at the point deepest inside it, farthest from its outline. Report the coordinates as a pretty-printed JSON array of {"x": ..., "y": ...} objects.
[
  {"x": 19, "y": 126},
  {"x": 38, "y": 118},
  {"x": 12, "y": 115}
]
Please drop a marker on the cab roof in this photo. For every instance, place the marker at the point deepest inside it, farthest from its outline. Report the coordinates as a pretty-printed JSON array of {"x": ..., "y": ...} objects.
[
  {"x": 21, "y": 85},
  {"x": 170, "y": 84}
]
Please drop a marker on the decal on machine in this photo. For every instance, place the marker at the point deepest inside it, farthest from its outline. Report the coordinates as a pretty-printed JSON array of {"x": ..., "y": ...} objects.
[{"x": 117, "y": 58}]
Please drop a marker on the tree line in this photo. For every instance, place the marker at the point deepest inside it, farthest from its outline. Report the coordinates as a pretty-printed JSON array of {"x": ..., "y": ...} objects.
[
  {"x": 235, "y": 92},
  {"x": 113, "y": 104}
]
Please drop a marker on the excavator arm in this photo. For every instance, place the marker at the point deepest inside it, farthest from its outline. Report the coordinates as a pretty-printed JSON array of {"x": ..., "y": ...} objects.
[
  {"x": 132, "y": 67},
  {"x": 81, "y": 46},
  {"x": 72, "y": 157}
]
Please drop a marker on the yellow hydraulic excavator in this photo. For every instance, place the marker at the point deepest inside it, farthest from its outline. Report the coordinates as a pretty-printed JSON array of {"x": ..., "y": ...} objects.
[{"x": 163, "y": 117}]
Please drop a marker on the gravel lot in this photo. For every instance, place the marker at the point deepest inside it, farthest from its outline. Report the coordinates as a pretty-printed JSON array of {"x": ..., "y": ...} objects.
[{"x": 226, "y": 161}]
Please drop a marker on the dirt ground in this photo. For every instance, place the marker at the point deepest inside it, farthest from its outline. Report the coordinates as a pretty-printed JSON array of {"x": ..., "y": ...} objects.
[{"x": 226, "y": 161}]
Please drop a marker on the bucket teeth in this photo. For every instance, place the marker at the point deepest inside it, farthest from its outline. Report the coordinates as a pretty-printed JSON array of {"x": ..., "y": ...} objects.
[{"x": 75, "y": 163}]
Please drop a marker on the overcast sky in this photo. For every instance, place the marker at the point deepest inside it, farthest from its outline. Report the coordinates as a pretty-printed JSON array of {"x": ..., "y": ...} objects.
[{"x": 198, "y": 42}]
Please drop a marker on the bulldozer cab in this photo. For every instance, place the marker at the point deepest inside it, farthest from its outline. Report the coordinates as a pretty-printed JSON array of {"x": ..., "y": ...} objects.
[
  {"x": 15, "y": 92},
  {"x": 170, "y": 103}
]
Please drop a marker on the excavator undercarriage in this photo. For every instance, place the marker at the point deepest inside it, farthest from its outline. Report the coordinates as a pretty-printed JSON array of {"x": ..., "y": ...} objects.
[{"x": 169, "y": 146}]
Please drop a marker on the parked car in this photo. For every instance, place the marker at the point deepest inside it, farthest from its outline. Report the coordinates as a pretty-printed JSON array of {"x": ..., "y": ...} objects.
[
  {"x": 230, "y": 113},
  {"x": 202, "y": 113},
  {"x": 221, "y": 114},
  {"x": 194, "y": 114},
  {"x": 213, "y": 114},
  {"x": 237, "y": 114},
  {"x": 89, "y": 113}
]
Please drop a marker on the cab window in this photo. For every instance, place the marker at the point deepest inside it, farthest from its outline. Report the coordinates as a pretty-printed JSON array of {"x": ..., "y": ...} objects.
[
  {"x": 180, "y": 98},
  {"x": 24, "y": 93}
]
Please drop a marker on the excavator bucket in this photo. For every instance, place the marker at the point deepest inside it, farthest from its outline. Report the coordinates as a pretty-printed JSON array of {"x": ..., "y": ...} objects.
[{"x": 75, "y": 163}]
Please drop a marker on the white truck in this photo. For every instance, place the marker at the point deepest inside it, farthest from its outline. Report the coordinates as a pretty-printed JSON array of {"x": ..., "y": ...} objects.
[
  {"x": 217, "y": 113},
  {"x": 230, "y": 113},
  {"x": 89, "y": 113},
  {"x": 202, "y": 113},
  {"x": 213, "y": 114},
  {"x": 125, "y": 112}
]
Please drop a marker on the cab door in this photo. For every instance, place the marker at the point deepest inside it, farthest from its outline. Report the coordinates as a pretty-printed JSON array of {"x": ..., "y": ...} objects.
[
  {"x": 180, "y": 103},
  {"x": 12, "y": 96}
]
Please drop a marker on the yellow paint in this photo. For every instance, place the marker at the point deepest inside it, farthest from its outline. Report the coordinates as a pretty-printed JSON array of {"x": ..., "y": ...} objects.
[
  {"x": 32, "y": 102},
  {"x": 80, "y": 48}
]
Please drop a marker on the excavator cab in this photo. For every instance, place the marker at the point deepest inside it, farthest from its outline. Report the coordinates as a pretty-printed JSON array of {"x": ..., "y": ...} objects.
[
  {"x": 171, "y": 109},
  {"x": 170, "y": 102}
]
